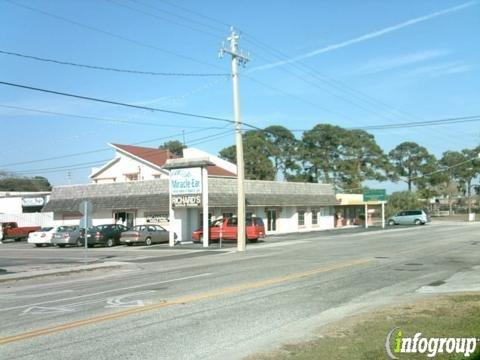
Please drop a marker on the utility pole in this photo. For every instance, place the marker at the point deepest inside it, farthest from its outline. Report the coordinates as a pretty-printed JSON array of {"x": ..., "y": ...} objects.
[{"x": 242, "y": 59}]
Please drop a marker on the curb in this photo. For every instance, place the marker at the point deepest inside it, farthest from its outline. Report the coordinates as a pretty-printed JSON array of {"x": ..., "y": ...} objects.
[{"x": 42, "y": 273}]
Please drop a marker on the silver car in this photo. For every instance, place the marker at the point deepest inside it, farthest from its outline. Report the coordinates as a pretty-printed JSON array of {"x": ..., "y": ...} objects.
[
  {"x": 147, "y": 234},
  {"x": 417, "y": 217},
  {"x": 67, "y": 235}
]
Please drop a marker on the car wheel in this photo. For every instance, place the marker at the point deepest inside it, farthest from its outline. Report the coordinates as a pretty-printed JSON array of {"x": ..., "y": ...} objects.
[
  {"x": 129, "y": 244},
  {"x": 201, "y": 239},
  {"x": 391, "y": 222},
  {"x": 417, "y": 222},
  {"x": 148, "y": 241},
  {"x": 61, "y": 245},
  {"x": 38, "y": 245},
  {"x": 109, "y": 242},
  {"x": 78, "y": 243},
  {"x": 252, "y": 240}
]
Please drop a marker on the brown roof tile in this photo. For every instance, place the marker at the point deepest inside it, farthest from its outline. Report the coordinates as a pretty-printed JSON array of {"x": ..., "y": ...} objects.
[
  {"x": 155, "y": 156},
  {"x": 159, "y": 157}
]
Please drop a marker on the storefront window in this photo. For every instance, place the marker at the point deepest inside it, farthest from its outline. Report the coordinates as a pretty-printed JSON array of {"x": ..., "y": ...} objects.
[
  {"x": 314, "y": 217},
  {"x": 301, "y": 217}
]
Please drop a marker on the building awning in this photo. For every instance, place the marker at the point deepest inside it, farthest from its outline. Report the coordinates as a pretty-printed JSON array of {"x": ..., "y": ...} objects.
[
  {"x": 148, "y": 201},
  {"x": 153, "y": 194}
]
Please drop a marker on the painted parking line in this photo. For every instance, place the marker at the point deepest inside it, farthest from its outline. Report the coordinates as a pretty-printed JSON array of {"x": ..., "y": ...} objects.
[{"x": 184, "y": 300}]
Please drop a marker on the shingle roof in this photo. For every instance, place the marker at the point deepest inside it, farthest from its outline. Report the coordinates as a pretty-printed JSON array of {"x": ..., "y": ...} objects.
[
  {"x": 153, "y": 194},
  {"x": 159, "y": 157},
  {"x": 154, "y": 156}
]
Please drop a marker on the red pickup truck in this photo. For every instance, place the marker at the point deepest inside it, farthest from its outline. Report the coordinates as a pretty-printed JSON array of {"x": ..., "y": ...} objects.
[
  {"x": 11, "y": 230},
  {"x": 227, "y": 229}
]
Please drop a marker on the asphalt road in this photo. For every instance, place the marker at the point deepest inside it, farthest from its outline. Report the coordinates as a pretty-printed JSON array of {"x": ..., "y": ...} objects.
[{"x": 177, "y": 304}]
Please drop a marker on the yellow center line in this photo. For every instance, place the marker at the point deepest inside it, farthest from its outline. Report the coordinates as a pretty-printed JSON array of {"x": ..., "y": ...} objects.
[{"x": 182, "y": 300}]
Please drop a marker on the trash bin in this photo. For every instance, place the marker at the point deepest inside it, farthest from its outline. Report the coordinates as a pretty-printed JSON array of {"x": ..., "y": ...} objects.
[{"x": 471, "y": 217}]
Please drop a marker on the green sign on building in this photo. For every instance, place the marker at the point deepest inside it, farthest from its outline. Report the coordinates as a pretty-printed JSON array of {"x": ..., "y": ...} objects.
[{"x": 375, "y": 195}]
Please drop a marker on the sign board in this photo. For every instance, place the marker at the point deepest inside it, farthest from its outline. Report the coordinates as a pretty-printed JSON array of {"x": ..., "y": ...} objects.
[
  {"x": 85, "y": 205},
  {"x": 375, "y": 195},
  {"x": 85, "y": 222},
  {"x": 186, "y": 200},
  {"x": 33, "y": 201},
  {"x": 186, "y": 181}
]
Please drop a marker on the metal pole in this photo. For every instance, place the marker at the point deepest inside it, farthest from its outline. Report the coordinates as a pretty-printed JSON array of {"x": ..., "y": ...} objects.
[
  {"x": 85, "y": 207},
  {"x": 366, "y": 216},
  {"x": 236, "y": 58},
  {"x": 383, "y": 214},
  {"x": 206, "y": 227}
]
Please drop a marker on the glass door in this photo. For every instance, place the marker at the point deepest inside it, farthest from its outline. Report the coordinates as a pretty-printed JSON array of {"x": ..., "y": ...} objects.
[{"x": 272, "y": 220}]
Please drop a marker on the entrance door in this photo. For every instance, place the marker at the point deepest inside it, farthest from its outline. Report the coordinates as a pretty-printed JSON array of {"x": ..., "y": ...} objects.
[
  {"x": 271, "y": 220},
  {"x": 126, "y": 218}
]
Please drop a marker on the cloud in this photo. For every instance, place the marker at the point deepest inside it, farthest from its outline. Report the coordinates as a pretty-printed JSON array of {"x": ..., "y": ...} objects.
[
  {"x": 441, "y": 69},
  {"x": 384, "y": 64},
  {"x": 366, "y": 37}
]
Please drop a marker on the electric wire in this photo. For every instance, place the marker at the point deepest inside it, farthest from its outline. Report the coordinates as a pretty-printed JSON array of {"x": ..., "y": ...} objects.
[
  {"x": 113, "y": 35},
  {"x": 97, "y": 150},
  {"x": 110, "y": 102},
  {"x": 163, "y": 19},
  {"x": 107, "y": 68},
  {"x": 96, "y": 118},
  {"x": 85, "y": 165}
]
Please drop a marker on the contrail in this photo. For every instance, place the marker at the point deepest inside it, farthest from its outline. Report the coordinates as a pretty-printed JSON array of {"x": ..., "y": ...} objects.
[{"x": 365, "y": 37}]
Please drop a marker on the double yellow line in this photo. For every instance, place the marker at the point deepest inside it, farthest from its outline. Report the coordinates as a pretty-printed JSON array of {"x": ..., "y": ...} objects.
[{"x": 182, "y": 300}]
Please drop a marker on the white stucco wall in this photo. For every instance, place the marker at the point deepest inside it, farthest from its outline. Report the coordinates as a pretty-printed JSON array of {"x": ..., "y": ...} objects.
[
  {"x": 126, "y": 165},
  {"x": 11, "y": 205}
]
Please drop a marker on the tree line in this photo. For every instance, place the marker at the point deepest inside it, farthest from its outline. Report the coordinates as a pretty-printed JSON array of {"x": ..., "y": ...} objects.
[{"x": 346, "y": 158}]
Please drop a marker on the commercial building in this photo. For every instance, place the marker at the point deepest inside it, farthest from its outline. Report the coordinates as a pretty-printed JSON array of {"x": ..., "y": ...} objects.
[
  {"x": 25, "y": 207},
  {"x": 133, "y": 189}
]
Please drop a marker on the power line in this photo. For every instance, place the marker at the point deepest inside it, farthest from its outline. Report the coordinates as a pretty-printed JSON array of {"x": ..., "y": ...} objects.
[
  {"x": 436, "y": 122},
  {"x": 110, "y": 120},
  {"x": 107, "y": 68},
  {"x": 111, "y": 34},
  {"x": 357, "y": 94},
  {"x": 423, "y": 123},
  {"x": 94, "y": 151},
  {"x": 201, "y": 23},
  {"x": 179, "y": 113},
  {"x": 208, "y": 33},
  {"x": 86, "y": 165},
  {"x": 196, "y": 13}
]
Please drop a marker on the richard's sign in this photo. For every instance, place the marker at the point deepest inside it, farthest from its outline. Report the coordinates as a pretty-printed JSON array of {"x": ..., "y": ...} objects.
[
  {"x": 186, "y": 181},
  {"x": 186, "y": 200}
]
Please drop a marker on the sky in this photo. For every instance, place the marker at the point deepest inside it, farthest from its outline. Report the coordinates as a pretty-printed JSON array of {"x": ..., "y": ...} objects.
[{"x": 347, "y": 63}]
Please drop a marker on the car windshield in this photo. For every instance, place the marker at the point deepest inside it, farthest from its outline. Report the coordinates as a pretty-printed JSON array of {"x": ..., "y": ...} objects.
[
  {"x": 217, "y": 223},
  {"x": 46, "y": 229},
  {"x": 65, "y": 228}
]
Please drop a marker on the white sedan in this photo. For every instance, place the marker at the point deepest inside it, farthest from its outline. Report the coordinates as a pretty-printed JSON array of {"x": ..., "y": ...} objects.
[{"x": 42, "y": 237}]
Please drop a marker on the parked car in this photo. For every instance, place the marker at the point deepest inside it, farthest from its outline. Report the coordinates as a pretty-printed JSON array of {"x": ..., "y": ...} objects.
[
  {"x": 106, "y": 235},
  {"x": 42, "y": 237},
  {"x": 227, "y": 228},
  {"x": 66, "y": 235},
  {"x": 11, "y": 230},
  {"x": 417, "y": 217},
  {"x": 146, "y": 234}
]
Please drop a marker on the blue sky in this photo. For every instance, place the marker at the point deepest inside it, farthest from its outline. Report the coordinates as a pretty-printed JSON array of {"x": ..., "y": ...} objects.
[{"x": 381, "y": 62}]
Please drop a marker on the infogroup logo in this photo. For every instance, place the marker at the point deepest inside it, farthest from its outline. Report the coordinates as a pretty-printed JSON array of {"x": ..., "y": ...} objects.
[{"x": 396, "y": 343}]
